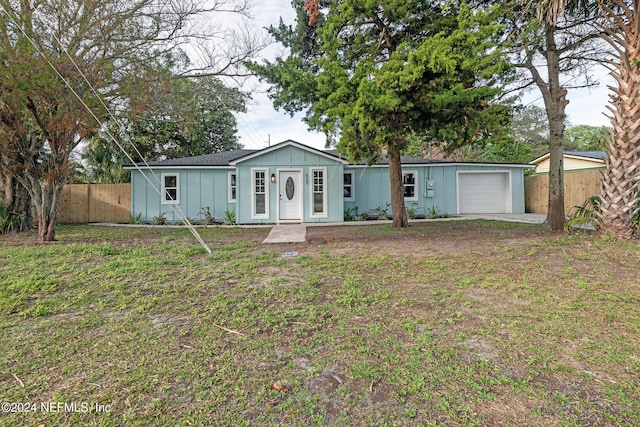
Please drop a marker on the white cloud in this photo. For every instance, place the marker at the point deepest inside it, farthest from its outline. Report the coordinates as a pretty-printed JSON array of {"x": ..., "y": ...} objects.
[
  {"x": 587, "y": 106},
  {"x": 262, "y": 122}
]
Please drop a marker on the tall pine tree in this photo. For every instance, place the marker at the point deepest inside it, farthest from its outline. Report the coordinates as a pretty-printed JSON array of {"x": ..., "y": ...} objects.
[{"x": 369, "y": 74}]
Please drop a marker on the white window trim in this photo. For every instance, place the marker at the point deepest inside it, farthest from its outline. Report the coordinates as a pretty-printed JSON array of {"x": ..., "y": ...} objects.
[
  {"x": 163, "y": 197},
  {"x": 230, "y": 199},
  {"x": 353, "y": 187},
  {"x": 325, "y": 212},
  {"x": 267, "y": 181},
  {"x": 416, "y": 192}
]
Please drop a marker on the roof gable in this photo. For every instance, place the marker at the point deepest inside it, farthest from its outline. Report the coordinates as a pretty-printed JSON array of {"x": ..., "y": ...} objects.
[{"x": 288, "y": 143}]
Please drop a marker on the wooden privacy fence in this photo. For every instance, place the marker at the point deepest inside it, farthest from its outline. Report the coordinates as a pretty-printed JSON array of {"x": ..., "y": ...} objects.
[
  {"x": 578, "y": 187},
  {"x": 85, "y": 203}
]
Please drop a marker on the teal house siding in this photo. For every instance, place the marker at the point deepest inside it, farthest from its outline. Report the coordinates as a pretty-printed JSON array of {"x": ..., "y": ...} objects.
[
  {"x": 436, "y": 187},
  {"x": 278, "y": 161},
  {"x": 372, "y": 189},
  {"x": 198, "y": 189},
  {"x": 290, "y": 182}
]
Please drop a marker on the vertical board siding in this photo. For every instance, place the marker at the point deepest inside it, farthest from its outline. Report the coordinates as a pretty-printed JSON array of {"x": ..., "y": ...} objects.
[
  {"x": 85, "y": 203},
  {"x": 208, "y": 187},
  {"x": 294, "y": 158},
  {"x": 372, "y": 188},
  {"x": 578, "y": 187},
  {"x": 199, "y": 188}
]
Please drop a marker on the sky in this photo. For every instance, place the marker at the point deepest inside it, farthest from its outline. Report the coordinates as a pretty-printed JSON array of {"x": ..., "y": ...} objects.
[{"x": 262, "y": 123}]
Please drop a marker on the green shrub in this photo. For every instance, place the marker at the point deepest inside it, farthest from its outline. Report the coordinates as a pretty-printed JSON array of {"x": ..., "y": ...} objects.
[
  {"x": 11, "y": 221},
  {"x": 412, "y": 212},
  {"x": 380, "y": 212},
  {"x": 349, "y": 214},
  {"x": 585, "y": 215},
  {"x": 433, "y": 213},
  {"x": 230, "y": 217},
  {"x": 209, "y": 219},
  {"x": 161, "y": 219},
  {"x": 135, "y": 219}
]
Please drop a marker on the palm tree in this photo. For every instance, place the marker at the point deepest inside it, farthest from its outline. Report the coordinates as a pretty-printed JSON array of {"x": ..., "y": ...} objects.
[{"x": 619, "y": 192}]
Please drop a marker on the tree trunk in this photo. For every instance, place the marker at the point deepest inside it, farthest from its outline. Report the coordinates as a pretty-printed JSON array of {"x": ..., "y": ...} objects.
[
  {"x": 14, "y": 196},
  {"x": 47, "y": 200},
  {"x": 619, "y": 191},
  {"x": 400, "y": 219},
  {"x": 555, "y": 105},
  {"x": 47, "y": 227}
]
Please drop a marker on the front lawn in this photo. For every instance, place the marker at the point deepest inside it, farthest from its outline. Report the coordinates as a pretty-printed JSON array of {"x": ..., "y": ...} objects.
[{"x": 447, "y": 323}]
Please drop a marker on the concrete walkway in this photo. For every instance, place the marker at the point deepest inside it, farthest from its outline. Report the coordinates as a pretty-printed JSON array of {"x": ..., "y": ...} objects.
[{"x": 287, "y": 233}]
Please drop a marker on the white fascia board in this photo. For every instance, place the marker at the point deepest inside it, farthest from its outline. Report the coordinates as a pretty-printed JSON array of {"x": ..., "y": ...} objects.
[
  {"x": 586, "y": 159},
  {"x": 539, "y": 159}
]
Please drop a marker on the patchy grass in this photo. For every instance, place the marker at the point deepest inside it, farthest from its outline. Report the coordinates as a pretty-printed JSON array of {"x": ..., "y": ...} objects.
[{"x": 447, "y": 323}]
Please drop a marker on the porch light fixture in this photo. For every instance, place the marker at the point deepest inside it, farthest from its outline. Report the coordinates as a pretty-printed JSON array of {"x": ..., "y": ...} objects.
[{"x": 273, "y": 177}]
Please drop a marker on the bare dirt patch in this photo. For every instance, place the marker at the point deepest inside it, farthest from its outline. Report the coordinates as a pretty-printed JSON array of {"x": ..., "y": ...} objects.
[{"x": 438, "y": 237}]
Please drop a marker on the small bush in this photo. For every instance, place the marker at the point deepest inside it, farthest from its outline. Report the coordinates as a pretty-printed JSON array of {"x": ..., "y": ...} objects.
[
  {"x": 349, "y": 214},
  {"x": 161, "y": 219},
  {"x": 135, "y": 219},
  {"x": 585, "y": 215},
  {"x": 434, "y": 213},
  {"x": 362, "y": 217},
  {"x": 381, "y": 213},
  {"x": 12, "y": 221},
  {"x": 412, "y": 212},
  {"x": 230, "y": 217},
  {"x": 209, "y": 219}
]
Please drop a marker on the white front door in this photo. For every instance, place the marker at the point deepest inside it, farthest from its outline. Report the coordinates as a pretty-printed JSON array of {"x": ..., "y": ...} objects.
[{"x": 290, "y": 195}]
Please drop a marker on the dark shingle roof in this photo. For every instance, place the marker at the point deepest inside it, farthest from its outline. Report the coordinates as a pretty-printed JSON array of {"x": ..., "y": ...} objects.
[
  {"x": 215, "y": 159},
  {"x": 600, "y": 155},
  {"x": 226, "y": 157}
]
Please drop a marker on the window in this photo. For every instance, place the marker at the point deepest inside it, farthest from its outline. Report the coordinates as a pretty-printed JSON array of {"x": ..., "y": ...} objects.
[
  {"x": 170, "y": 188},
  {"x": 260, "y": 199},
  {"x": 410, "y": 182},
  {"x": 348, "y": 186},
  {"x": 319, "y": 199},
  {"x": 232, "y": 187}
]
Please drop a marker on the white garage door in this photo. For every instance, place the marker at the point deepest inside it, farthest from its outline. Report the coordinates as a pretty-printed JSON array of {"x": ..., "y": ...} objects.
[{"x": 484, "y": 192}]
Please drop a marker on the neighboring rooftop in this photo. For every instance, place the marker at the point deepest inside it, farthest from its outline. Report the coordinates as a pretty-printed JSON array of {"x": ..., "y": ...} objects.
[
  {"x": 600, "y": 155},
  {"x": 595, "y": 155}
]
